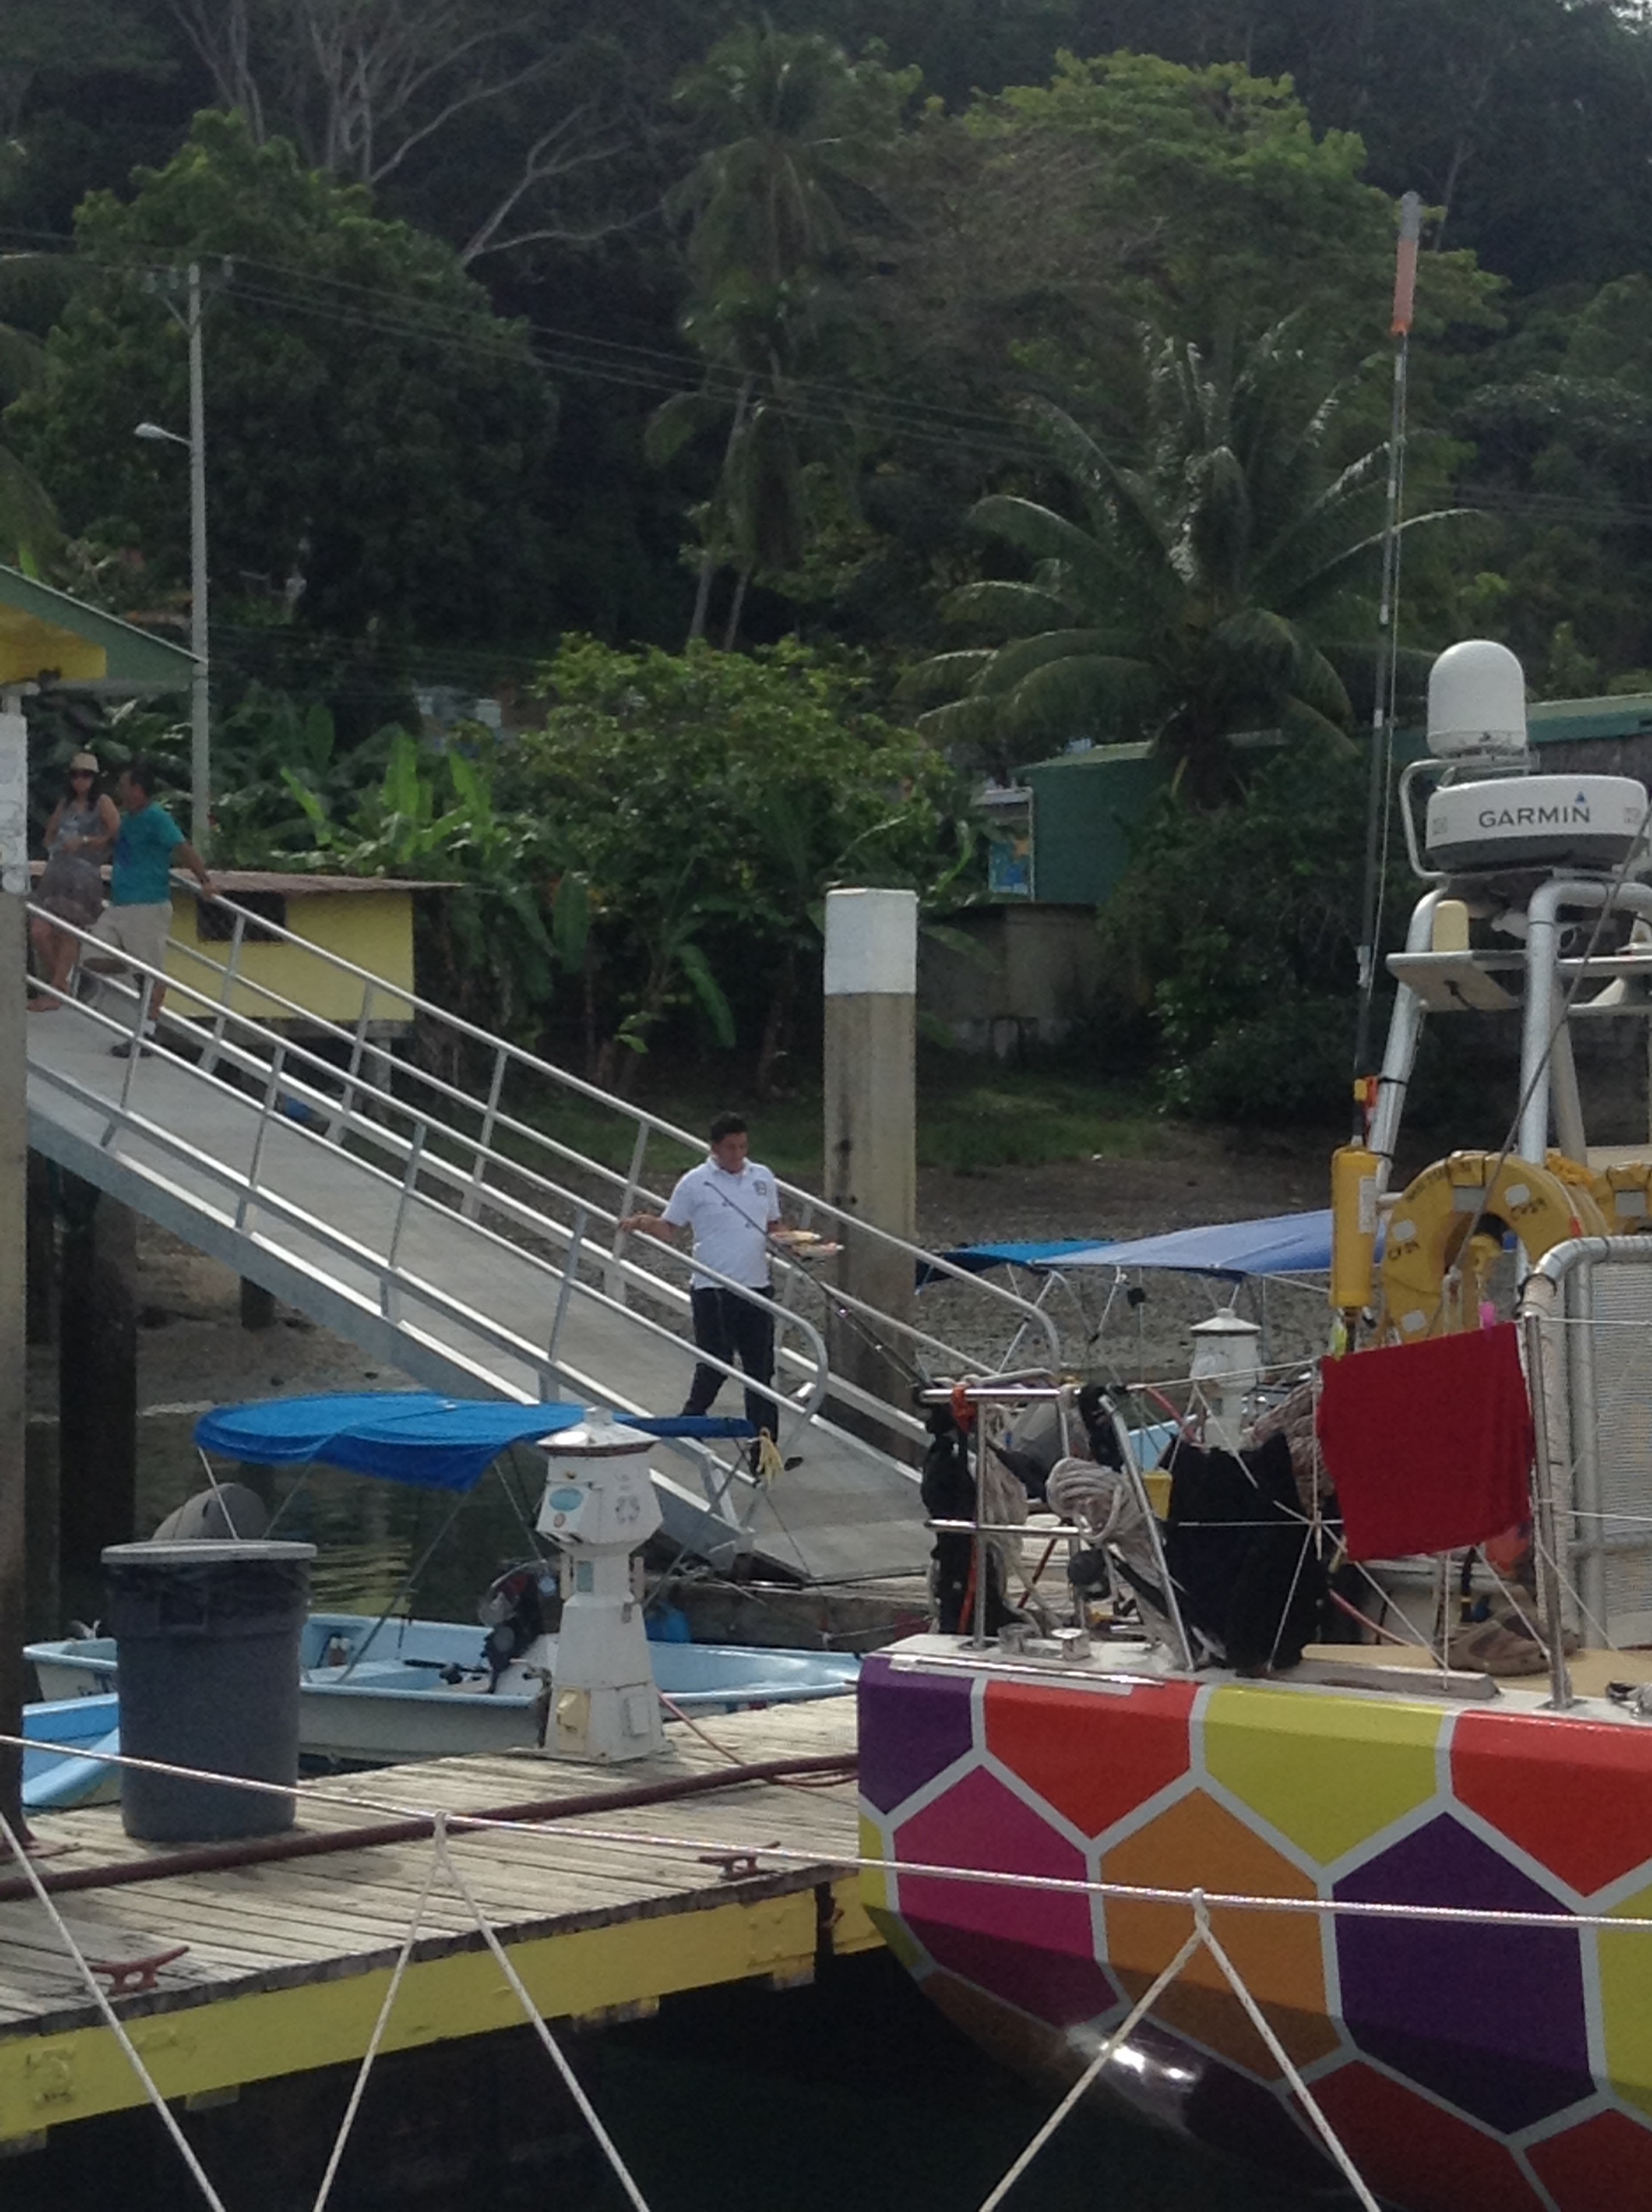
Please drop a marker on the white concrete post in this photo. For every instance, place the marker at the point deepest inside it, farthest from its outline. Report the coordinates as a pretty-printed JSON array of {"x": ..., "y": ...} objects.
[{"x": 871, "y": 1087}]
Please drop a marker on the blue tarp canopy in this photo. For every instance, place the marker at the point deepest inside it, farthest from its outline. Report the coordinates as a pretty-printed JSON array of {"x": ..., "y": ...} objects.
[
  {"x": 977, "y": 1258},
  {"x": 406, "y": 1436},
  {"x": 1279, "y": 1244}
]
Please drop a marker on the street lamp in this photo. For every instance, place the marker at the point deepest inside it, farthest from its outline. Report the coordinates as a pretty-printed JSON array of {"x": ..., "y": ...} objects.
[{"x": 201, "y": 680}]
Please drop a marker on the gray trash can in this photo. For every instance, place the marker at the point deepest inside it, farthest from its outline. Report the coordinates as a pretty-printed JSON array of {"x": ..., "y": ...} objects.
[{"x": 206, "y": 1643}]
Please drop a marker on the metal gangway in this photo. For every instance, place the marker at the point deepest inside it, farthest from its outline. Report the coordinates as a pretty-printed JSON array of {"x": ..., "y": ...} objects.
[{"x": 452, "y": 1214}]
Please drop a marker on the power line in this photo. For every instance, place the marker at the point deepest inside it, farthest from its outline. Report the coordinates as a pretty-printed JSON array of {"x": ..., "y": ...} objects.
[
  {"x": 658, "y": 372},
  {"x": 574, "y": 353}
]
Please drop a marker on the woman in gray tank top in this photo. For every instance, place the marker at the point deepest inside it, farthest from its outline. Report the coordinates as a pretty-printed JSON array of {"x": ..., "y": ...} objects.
[{"x": 79, "y": 838}]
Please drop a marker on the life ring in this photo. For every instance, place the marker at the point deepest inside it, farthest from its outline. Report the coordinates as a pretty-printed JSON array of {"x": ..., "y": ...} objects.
[
  {"x": 1433, "y": 1274},
  {"x": 1577, "y": 1177},
  {"x": 1629, "y": 1208}
]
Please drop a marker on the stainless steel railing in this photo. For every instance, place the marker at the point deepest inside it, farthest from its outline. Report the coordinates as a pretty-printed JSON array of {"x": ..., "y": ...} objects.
[
  {"x": 405, "y": 1158},
  {"x": 538, "y": 1159}
]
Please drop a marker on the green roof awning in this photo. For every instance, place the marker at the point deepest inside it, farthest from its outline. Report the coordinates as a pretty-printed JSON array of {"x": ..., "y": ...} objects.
[{"x": 48, "y": 633}]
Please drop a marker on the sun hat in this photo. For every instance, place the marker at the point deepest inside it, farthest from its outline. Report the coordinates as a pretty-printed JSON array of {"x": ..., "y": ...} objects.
[{"x": 84, "y": 760}]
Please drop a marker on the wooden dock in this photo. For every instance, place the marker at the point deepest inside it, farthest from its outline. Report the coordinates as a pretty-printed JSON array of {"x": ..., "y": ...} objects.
[{"x": 287, "y": 1963}]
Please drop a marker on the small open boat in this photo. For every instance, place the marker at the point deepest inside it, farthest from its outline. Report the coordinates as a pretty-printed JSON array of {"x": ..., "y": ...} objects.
[
  {"x": 374, "y": 1691},
  {"x": 56, "y": 1778}
]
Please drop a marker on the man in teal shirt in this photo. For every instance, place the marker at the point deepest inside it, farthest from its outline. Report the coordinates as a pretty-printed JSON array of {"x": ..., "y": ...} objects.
[{"x": 139, "y": 913}]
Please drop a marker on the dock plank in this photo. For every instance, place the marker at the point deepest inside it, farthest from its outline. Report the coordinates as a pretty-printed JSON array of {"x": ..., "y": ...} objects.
[{"x": 289, "y": 1960}]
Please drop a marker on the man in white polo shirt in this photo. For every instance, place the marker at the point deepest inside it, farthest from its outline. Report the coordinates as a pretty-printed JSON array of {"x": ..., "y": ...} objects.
[{"x": 730, "y": 1206}]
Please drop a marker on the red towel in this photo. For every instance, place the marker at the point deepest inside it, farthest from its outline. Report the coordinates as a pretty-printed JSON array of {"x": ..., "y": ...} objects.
[{"x": 1429, "y": 1445}]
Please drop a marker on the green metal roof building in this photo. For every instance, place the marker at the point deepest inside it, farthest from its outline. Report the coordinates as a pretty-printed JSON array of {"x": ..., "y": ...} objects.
[{"x": 1084, "y": 807}]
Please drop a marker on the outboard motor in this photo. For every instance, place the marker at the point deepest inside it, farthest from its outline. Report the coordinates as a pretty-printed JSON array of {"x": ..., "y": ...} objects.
[
  {"x": 524, "y": 1603},
  {"x": 228, "y": 1510}
]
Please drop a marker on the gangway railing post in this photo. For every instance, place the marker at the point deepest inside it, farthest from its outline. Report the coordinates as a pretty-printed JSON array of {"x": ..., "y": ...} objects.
[
  {"x": 470, "y": 1206},
  {"x": 613, "y": 1280},
  {"x": 254, "y": 1166},
  {"x": 340, "y": 1120},
  {"x": 409, "y": 1191},
  {"x": 390, "y": 1297},
  {"x": 226, "y": 993},
  {"x": 136, "y": 1043},
  {"x": 570, "y": 1272}
]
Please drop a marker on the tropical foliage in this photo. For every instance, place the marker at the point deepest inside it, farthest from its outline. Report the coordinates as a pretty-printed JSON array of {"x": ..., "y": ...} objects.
[
  {"x": 1230, "y": 941},
  {"x": 712, "y": 800},
  {"x": 1203, "y": 592},
  {"x": 372, "y": 429},
  {"x": 794, "y": 127},
  {"x": 814, "y": 332}
]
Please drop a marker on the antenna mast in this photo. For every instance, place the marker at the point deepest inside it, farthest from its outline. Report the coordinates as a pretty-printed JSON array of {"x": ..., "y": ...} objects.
[{"x": 1382, "y": 702}]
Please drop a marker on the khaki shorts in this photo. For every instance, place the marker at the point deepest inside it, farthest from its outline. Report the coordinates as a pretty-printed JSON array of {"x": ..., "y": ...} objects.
[{"x": 140, "y": 932}]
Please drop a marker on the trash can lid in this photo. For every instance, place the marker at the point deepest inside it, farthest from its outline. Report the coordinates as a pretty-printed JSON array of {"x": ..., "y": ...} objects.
[{"x": 204, "y": 1551}]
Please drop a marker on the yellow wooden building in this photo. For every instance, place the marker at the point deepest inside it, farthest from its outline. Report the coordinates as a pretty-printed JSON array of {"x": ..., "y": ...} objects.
[
  {"x": 49, "y": 640},
  {"x": 364, "y": 922}
]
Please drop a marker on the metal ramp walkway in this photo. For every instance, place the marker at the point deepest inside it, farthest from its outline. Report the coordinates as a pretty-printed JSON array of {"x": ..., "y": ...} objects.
[{"x": 450, "y": 1231}]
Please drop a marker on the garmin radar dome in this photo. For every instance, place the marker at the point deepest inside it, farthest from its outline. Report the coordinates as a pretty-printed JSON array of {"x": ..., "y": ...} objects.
[
  {"x": 1489, "y": 814},
  {"x": 1476, "y": 703}
]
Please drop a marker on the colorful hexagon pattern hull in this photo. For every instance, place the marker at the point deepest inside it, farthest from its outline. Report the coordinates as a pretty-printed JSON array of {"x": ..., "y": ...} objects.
[{"x": 1461, "y": 2059}]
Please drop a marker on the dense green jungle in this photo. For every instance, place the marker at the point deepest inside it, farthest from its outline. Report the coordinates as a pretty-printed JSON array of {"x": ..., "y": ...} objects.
[{"x": 784, "y": 420}]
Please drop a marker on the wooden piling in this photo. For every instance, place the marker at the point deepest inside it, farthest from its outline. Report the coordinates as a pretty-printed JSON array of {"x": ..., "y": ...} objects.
[{"x": 97, "y": 1384}]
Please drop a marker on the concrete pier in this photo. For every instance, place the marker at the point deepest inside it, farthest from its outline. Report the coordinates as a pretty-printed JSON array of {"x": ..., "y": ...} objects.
[
  {"x": 870, "y": 1105},
  {"x": 284, "y": 1965}
]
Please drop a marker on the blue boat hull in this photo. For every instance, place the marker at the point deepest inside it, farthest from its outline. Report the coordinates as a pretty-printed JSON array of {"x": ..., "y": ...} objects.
[{"x": 375, "y": 1693}]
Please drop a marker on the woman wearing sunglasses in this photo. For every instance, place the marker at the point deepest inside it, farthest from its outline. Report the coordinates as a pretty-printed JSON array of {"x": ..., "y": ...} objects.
[{"x": 78, "y": 839}]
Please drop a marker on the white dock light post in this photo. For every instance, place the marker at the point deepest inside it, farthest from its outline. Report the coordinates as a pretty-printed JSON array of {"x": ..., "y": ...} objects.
[
  {"x": 14, "y": 1205},
  {"x": 871, "y": 1069},
  {"x": 599, "y": 1506},
  {"x": 1226, "y": 1372}
]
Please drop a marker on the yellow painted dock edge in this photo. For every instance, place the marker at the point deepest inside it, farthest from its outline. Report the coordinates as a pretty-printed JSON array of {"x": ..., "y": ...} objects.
[{"x": 222, "y": 2043}]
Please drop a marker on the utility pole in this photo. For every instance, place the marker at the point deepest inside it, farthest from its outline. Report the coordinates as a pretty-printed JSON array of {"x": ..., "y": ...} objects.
[
  {"x": 200, "y": 690},
  {"x": 200, "y": 819},
  {"x": 14, "y": 1241}
]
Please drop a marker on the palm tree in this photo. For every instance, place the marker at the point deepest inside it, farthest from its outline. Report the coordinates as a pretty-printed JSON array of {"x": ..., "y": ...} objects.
[
  {"x": 1198, "y": 595},
  {"x": 790, "y": 121}
]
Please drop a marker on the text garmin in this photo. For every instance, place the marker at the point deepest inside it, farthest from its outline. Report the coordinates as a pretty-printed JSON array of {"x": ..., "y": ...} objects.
[{"x": 1528, "y": 817}]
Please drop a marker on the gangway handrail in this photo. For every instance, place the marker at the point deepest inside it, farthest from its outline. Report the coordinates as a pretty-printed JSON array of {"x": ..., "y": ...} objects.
[
  {"x": 119, "y": 1115},
  {"x": 346, "y": 1117},
  {"x": 388, "y": 1265},
  {"x": 504, "y": 1050},
  {"x": 958, "y": 1360},
  {"x": 343, "y": 1116}
]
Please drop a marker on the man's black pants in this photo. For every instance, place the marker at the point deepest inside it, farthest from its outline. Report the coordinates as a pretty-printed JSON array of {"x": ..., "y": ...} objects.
[{"x": 731, "y": 1328}]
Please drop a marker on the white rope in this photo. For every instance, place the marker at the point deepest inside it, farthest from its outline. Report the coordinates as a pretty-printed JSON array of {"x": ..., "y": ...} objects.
[
  {"x": 112, "y": 2019},
  {"x": 1327, "y": 2134},
  {"x": 721, "y": 1847},
  {"x": 358, "y": 2089},
  {"x": 1202, "y": 1938},
  {"x": 700, "y": 1847},
  {"x": 502, "y": 1959},
  {"x": 313, "y": 1792},
  {"x": 1127, "y": 2026}
]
